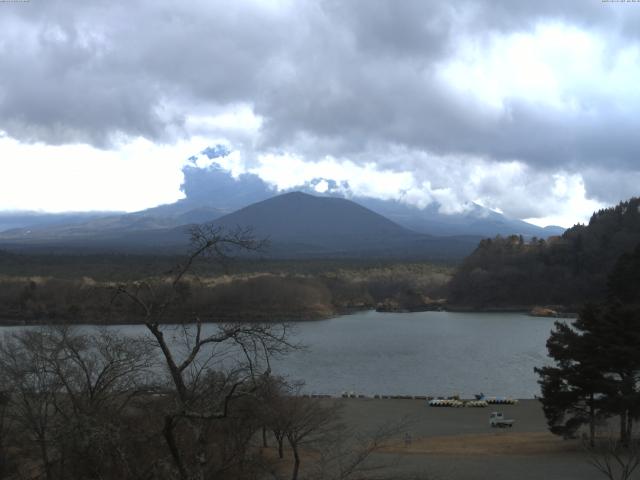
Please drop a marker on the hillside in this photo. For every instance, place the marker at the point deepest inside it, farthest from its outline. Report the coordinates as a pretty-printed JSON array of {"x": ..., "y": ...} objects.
[
  {"x": 476, "y": 221},
  {"x": 302, "y": 225},
  {"x": 45, "y": 228},
  {"x": 298, "y": 225},
  {"x": 11, "y": 220},
  {"x": 299, "y": 217},
  {"x": 217, "y": 187},
  {"x": 566, "y": 270}
]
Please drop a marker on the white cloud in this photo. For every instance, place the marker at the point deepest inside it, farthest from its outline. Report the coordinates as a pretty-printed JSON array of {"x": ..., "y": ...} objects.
[
  {"x": 556, "y": 65},
  {"x": 322, "y": 186},
  {"x": 570, "y": 204},
  {"x": 528, "y": 108},
  {"x": 137, "y": 175},
  {"x": 140, "y": 174},
  {"x": 286, "y": 171}
]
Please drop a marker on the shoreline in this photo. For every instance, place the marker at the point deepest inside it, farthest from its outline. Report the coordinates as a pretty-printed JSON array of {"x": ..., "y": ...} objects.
[
  {"x": 13, "y": 322},
  {"x": 422, "y": 398}
]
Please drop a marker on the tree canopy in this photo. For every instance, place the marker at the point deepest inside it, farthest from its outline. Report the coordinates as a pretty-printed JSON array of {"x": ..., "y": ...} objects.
[
  {"x": 597, "y": 359},
  {"x": 568, "y": 270}
]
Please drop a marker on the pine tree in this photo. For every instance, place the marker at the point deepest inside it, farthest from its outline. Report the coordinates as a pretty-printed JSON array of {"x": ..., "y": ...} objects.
[
  {"x": 572, "y": 390},
  {"x": 597, "y": 371}
]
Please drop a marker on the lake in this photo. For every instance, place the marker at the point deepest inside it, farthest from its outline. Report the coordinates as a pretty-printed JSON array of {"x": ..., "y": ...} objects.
[{"x": 424, "y": 353}]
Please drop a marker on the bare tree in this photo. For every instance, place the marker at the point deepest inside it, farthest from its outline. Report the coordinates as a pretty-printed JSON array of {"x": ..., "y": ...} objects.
[
  {"x": 5, "y": 464},
  {"x": 301, "y": 420},
  {"x": 209, "y": 368},
  {"x": 96, "y": 371},
  {"x": 68, "y": 391},
  {"x": 308, "y": 418},
  {"x": 100, "y": 374},
  {"x": 314, "y": 426},
  {"x": 613, "y": 459},
  {"x": 32, "y": 391},
  {"x": 273, "y": 410}
]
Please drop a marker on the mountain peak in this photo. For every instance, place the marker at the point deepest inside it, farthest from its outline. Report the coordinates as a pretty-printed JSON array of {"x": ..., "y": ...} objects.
[{"x": 303, "y": 217}]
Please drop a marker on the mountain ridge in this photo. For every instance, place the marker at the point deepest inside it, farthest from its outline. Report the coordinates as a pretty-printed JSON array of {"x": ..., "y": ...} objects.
[
  {"x": 216, "y": 190},
  {"x": 298, "y": 224}
]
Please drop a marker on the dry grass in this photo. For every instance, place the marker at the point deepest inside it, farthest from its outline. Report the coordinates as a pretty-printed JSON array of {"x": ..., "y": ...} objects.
[{"x": 535, "y": 443}]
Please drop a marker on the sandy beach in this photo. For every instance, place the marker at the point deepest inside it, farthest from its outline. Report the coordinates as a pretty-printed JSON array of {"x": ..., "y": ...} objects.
[{"x": 459, "y": 444}]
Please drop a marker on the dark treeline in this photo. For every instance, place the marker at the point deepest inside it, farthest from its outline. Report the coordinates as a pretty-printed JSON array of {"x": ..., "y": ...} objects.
[
  {"x": 117, "y": 267},
  {"x": 567, "y": 270},
  {"x": 257, "y": 296}
]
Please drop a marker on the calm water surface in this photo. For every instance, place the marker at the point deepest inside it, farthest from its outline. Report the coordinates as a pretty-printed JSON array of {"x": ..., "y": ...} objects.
[
  {"x": 428, "y": 353},
  {"x": 425, "y": 353}
]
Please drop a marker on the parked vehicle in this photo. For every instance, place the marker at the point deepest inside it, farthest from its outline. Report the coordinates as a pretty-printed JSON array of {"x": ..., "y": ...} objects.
[{"x": 497, "y": 420}]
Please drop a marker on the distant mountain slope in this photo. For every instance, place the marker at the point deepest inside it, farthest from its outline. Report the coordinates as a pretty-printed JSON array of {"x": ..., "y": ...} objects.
[
  {"x": 157, "y": 218},
  {"x": 212, "y": 192},
  {"x": 476, "y": 221},
  {"x": 216, "y": 186},
  {"x": 298, "y": 215},
  {"x": 298, "y": 225},
  {"x": 29, "y": 219},
  {"x": 566, "y": 270}
]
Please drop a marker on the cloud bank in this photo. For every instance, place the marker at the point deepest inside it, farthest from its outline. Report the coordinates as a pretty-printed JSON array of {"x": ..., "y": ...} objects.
[{"x": 525, "y": 107}]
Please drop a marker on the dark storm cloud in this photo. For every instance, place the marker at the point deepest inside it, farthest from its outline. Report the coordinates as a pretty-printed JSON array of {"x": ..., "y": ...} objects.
[
  {"x": 327, "y": 77},
  {"x": 612, "y": 185},
  {"x": 84, "y": 71}
]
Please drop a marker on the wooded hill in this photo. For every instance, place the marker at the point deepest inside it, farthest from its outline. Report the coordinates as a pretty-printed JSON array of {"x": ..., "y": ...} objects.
[{"x": 568, "y": 270}]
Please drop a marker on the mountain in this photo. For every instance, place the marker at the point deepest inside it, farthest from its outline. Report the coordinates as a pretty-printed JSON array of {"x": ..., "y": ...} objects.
[
  {"x": 212, "y": 193},
  {"x": 216, "y": 186},
  {"x": 84, "y": 226},
  {"x": 298, "y": 216},
  {"x": 476, "y": 220},
  {"x": 30, "y": 219},
  {"x": 297, "y": 225},
  {"x": 567, "y": 270}
]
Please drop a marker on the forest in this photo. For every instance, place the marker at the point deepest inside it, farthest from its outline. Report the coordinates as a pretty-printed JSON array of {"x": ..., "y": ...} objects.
[
  {"x": 564, "y": 271},
  {"x": 76, "y": 289}
]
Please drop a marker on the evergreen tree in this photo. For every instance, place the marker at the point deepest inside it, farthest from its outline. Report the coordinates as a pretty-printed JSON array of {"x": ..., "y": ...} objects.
[
  {"x": 597, "y": 371},
  {"x": 622, "y": 366},
  {"x": 619, "y": 329},
  {"x": 572, "y": 390}
]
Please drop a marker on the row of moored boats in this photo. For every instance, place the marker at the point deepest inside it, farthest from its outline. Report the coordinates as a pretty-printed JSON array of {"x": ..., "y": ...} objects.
[{"x": 478, "y": 403}]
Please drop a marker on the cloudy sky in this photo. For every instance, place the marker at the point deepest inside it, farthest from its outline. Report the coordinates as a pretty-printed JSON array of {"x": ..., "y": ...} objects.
[{"x": 528, "y": 108}]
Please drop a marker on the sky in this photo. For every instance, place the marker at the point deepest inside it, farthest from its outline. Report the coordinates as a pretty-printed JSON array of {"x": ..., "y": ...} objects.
[{"x": 527, "y": 108}]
